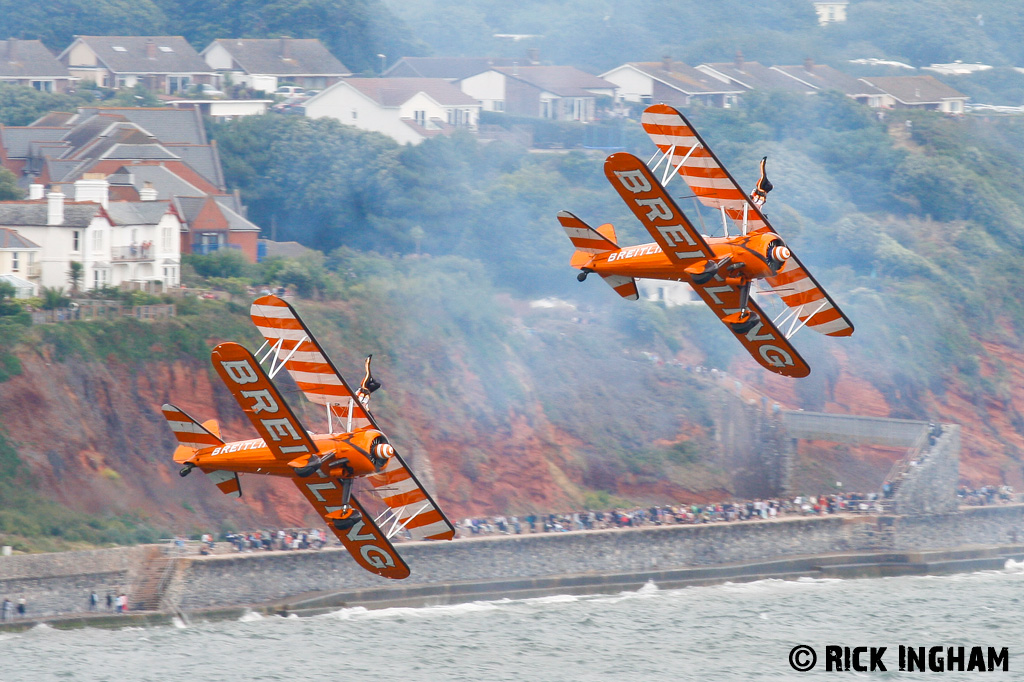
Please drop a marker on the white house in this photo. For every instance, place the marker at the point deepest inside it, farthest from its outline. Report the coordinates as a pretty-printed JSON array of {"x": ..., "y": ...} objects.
[
  {"x": 671, "y": 82},
  {"x": 265, "y": 63},
  {"x": 115, "y": 241},
  {"x": 831, "y": 11},
  {"x": 563, "y": 93},
  {"x": 406, "y": 109},
  {"x": 19, "y": 262}
]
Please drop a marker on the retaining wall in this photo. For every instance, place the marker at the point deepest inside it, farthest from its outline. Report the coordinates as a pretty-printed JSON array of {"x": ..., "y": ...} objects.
[{"x": 60, "y": 583}]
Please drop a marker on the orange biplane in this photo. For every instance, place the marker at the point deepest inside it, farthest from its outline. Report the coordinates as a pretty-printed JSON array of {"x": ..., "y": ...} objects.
[
  {"x": 720, "y": 269},
  {"x": 323, "y": 466}
]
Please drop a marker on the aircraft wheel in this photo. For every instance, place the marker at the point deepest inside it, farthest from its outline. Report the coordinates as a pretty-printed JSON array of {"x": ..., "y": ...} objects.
[
  {"x": 582, "y": 276},
  {"x": 186, "y": 470},
  {"x": 744, "y": 327},
  {"x": 348, "y": 521},
  {"x": 704, "y": 277}
]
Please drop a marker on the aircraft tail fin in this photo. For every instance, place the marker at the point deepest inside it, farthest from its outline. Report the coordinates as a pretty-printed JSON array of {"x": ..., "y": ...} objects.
[
  {"x": 588, "y": 241},
  {"x": 191, "y": 435}
]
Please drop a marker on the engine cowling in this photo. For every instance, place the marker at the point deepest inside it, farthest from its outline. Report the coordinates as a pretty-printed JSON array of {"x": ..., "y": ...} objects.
[{"x": 777, "y": 254}]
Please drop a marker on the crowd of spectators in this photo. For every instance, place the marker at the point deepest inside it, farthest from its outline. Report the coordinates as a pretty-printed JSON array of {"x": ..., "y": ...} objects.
[
  {"x": 635, "y": 517},
  {"x": 748, "y": 510},
  {"x": 985, "y": 495}
]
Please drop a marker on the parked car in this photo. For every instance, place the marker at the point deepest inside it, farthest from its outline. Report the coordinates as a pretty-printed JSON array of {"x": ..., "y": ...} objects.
[
  {"x": 292, "y": 105},
  {"x": 206, "y": 90},
  {"x": 290, "y": 91}
]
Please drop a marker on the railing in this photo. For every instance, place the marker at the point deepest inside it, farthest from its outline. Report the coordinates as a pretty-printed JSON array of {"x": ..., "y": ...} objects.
[
  {"x": 143, "y": 251},
  {"x": 207, "y": 249},
  {"x": 104, "y": 311},
  {"x": 35, "y": 271}
]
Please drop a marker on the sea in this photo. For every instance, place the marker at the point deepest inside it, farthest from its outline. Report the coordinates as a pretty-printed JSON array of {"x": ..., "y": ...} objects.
[{"x": 763, "y": 630}]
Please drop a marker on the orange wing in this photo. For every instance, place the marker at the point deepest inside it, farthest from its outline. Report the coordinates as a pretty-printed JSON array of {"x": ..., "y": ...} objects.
[
  {"x": 365, "y": 542},
  {"x": 655, "y": 209},
  {"x": 302, "y": 356},
  {"x": 714, "y": 186},
  {"x": 256, "y": 394},
  {"x": 811, "y": 304},
  {"x": 764, "y": 342},
  {"x": 414, "y": 509}
]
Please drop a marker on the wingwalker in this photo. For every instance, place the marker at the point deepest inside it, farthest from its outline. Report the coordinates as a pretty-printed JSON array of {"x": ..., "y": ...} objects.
[
  {"x": 323, "y": 466},
  {"x": 720, "y": 269}
]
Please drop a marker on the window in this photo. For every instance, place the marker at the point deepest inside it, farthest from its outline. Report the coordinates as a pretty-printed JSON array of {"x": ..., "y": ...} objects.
[
  {"x": 43, "y": 86},
  {"x": 76, "y": 237},
  {"x": 420, "y": 116},
  {"x": 165, "y": 242},
  {"x": 499, "y": 105},
  {"x": 118, "y": 48},
  {"x": 355, "y": 114},
  {"x": 164, "y": 48},
  {"x": 15, "y": 262},
  {"x": 97, "y": 241}
]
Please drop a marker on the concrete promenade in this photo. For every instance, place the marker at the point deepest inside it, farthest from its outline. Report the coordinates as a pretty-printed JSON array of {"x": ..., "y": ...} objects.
[{"x": 56, "y": 586}]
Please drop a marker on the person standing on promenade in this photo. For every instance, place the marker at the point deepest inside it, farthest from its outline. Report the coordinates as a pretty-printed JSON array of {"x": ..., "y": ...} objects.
[
  {"x": 21, "y": 608},
  {"x": 5, "y": 610},
  {"x": 94, "y": 600}
]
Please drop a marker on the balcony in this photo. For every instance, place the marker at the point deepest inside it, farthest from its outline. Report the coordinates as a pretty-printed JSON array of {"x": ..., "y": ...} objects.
[
  {"x": 135, "y": 252},
  {"x": 206, "y": 249}
]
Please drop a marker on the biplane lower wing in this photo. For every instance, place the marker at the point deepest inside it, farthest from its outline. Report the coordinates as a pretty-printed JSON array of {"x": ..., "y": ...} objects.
[
  {"x": 414, "y": 510},
  {"x": 765, "y": 343},
  {"x": 370, "y": 548},
  {"x": 656, "y": 210},
  {"x": 262, "y": 403}
]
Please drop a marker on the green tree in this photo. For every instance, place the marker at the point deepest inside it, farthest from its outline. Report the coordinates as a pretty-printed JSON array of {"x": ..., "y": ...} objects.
[
  {"x": 76, "y": 271},
  {"x": 9, "y": 190}
]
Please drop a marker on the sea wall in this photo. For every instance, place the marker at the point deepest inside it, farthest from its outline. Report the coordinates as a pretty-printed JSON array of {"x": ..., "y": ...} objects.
[{"x": 60, "y": 583}]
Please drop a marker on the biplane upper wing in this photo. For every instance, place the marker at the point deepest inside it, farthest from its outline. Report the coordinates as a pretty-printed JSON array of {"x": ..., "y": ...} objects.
[
  {"x": 413, "y": 508},
  {"x": 655, "y": 209},
  {"x": 809, "y": 302},
  {"x": 688, "y": 153},
  {"x": 305, "y": 360},
  {"x": 765, "y": 343},
  {"x": 256, "y": 394},
  {"x": 365, "y": 542}
]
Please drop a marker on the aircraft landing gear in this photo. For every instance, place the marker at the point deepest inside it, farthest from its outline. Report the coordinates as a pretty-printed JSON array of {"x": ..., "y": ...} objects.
[
  {"x": 583, "y": 275},
  {"x": 186, "y": 470},
  {"x": 748, "y": 319},
  {"x": 351, "y": 517}
]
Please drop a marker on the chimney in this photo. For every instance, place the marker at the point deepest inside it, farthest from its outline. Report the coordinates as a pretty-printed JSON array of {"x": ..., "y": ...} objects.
[
  {"x": 148, "y": 192},
  {"x": 36, "y": 191},
  {"x": 150, "y": 48},
  {"x": 12, "y": 49},
  {"x": 666, "y": 62},
  {"x": 738, "y": 60},
  {"x": 93, "y": 187},
  {"x": 533, "y": 56},
  {"x": 808, "y": 65},
  {"x": 286, "y": 47},
  {"x": 55, "y": 208}
]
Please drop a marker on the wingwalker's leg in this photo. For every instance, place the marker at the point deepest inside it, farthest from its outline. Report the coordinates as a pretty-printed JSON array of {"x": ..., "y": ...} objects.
[{"x": 748, "y": 318}]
